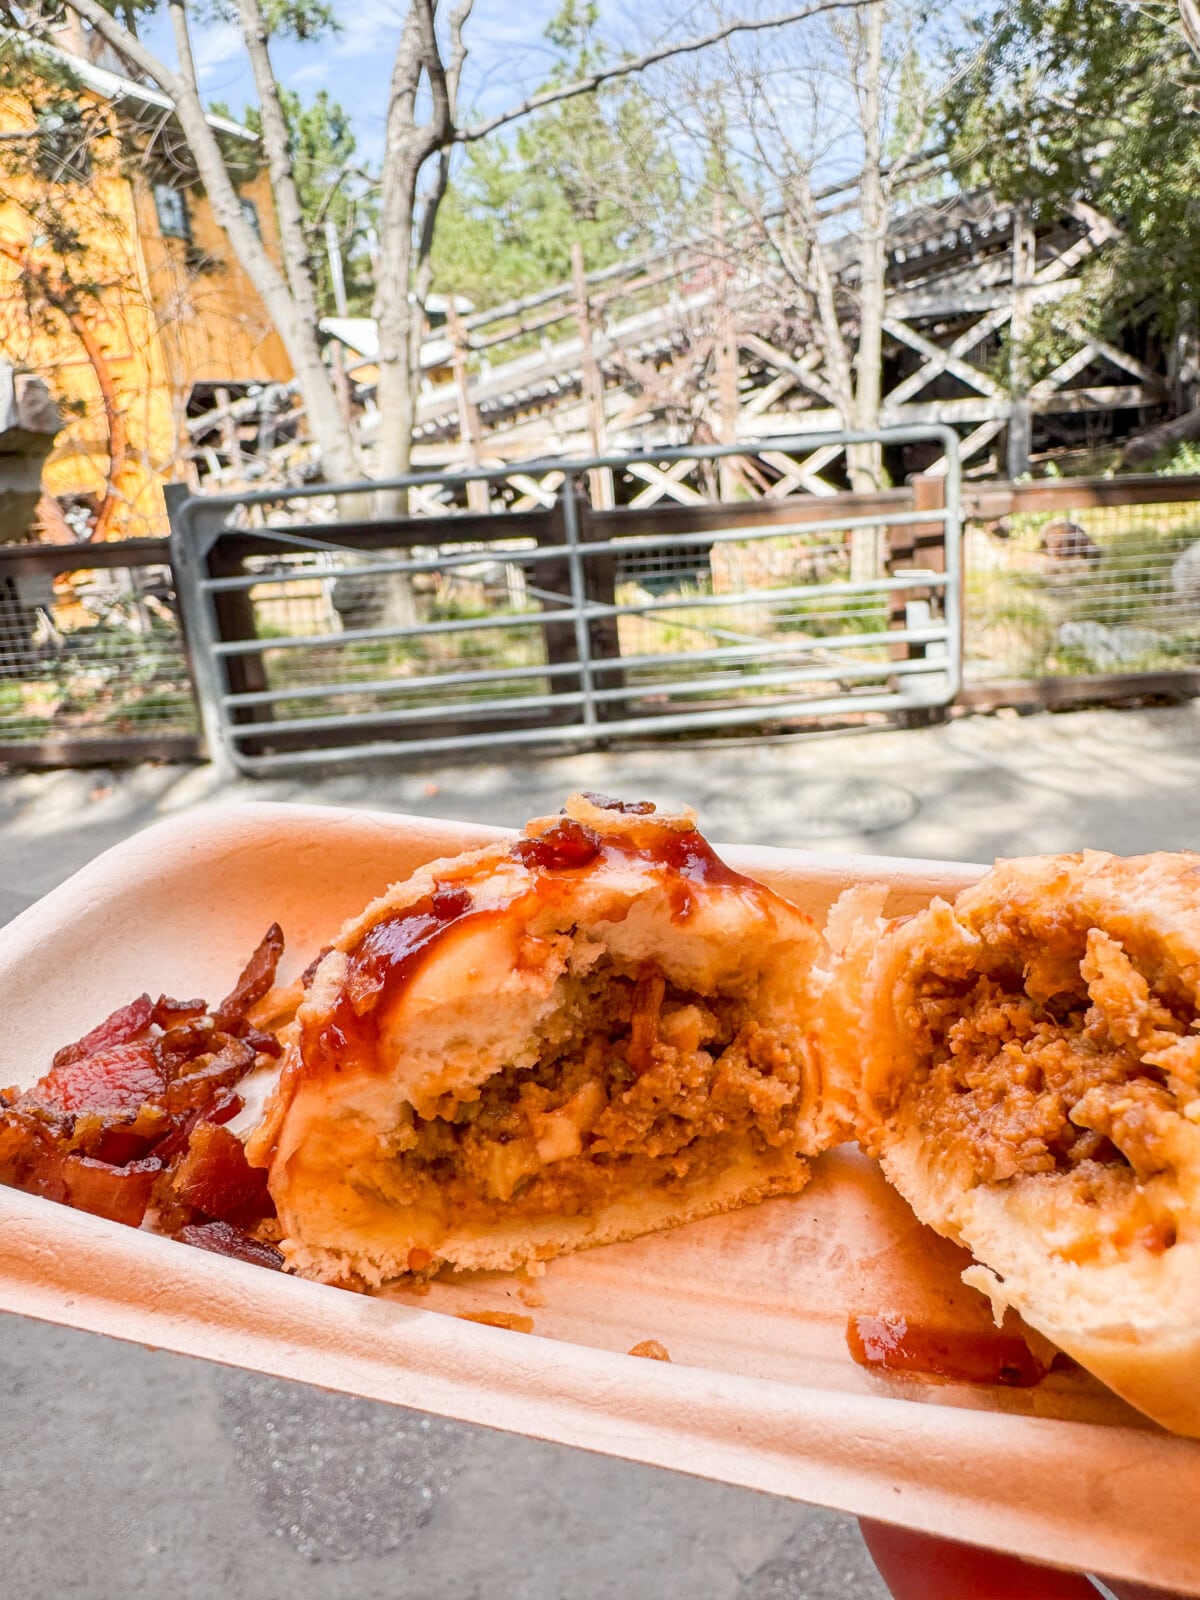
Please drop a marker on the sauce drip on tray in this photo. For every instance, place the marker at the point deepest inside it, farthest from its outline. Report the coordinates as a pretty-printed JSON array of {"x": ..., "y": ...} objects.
[{"x": 893, "y": 1344}]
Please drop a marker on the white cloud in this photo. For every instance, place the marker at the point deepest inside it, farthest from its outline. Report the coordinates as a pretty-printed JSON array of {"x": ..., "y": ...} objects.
[
  {"x": 215, "y": 45},
  {"x": 369, "y": 28}
]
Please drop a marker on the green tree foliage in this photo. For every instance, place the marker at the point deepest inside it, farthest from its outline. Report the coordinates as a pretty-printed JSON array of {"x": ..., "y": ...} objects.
[
  {"x": 1095, "y": 99},
  {"x": 331, "y": 184},
  {"x": 594, "y": 171}
]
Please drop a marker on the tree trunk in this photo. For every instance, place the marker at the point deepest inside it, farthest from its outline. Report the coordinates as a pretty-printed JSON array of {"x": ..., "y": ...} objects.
[
  {"x": 866, "y": 465},
  {"x": 288, "y": 210},
  {"x": 398, "y": 340},
  {"x": 865, "y": 461},
  {"x": 298, "y": 332},
  {"x": 405, "y": 150}
]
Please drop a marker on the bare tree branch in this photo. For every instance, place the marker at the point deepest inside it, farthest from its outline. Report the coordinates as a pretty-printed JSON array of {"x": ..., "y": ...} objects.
[
  {"x": 298, "y": 332},
  {"x": 288, "y": 210},
  {"x": 632, "y": 64},
  {"x": 423, "y": 267},
  {"x": 1189, "y": 19}
]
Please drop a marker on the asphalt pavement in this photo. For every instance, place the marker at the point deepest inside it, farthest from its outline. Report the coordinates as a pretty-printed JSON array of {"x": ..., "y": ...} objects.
[{"x": 127, "y": 1472}]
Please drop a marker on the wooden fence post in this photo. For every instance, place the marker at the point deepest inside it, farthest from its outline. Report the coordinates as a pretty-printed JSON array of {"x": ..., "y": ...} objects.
[{"x": 916, "y": 544}]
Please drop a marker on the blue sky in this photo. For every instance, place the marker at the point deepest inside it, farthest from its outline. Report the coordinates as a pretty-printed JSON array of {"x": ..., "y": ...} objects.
[{"x": 508, "y": 58}]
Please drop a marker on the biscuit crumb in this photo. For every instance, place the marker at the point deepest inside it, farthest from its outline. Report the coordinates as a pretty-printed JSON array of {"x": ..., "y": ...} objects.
[
  {"x": 499, "y": 1319},
  {"x": 652, "y": 1350}
]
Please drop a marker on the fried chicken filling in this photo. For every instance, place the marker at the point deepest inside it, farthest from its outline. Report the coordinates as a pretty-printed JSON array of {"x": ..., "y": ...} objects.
[
  {"x": 1055, "y": 1056},
  {"x": 638, "y": 1083}
]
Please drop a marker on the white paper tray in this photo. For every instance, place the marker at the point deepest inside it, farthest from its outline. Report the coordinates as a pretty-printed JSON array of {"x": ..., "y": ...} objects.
[{"x": 761, "y": 1390}]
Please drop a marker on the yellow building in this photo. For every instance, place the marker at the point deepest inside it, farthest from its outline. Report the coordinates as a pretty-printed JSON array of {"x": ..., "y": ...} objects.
[{"x": 118, "y": 287}]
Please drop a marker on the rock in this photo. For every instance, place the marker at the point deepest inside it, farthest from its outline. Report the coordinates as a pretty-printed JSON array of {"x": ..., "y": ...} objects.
[
  {"x": 1185, "y": 573},
  {"x": 1063, "y": 540},
  {"x": 1108, "y": 648}
]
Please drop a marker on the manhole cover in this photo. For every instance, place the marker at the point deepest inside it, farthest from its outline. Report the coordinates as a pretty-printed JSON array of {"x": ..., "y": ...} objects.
[{"x": 837, "y": 806}]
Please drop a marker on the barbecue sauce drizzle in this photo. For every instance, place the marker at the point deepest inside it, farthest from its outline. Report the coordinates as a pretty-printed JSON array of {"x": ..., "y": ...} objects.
[{"x": 389, "y": 955}]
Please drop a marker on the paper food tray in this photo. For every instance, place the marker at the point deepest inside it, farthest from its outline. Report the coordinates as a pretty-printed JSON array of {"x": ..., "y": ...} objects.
[{"x": 760, "y": 1390}]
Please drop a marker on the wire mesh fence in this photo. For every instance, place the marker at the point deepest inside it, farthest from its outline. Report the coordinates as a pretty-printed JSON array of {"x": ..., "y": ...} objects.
[
  {"x": 448, "y": 628},
  {"x": 1082, "y": 590},
  {"x": 91, "y": 657}
]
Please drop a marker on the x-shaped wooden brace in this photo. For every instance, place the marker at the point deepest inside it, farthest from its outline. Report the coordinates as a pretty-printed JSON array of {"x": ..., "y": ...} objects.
[
  {"x": 664, "y": 485},
  {"x": 801, "y": 474},
  {"x": 535, "y": 492}
]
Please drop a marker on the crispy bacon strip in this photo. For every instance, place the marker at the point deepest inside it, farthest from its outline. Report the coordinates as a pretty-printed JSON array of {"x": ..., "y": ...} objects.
[
  {"x": 226, "y": 1240},
  {"x": 256, "y": 979},
  {"x": 119, "y": 1077},
  {"x": 32, "y": 1159},
  {"x": 215, "y": 1178},
  {"x": 122, "y": 1026}
]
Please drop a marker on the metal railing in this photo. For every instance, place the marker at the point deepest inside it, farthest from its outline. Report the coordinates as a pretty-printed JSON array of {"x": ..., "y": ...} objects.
[{"x": 564, "y": 623}]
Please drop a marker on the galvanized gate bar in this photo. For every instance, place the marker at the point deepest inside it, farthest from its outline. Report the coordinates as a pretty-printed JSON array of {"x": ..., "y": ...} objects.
[{"x": 248, "y": 721}]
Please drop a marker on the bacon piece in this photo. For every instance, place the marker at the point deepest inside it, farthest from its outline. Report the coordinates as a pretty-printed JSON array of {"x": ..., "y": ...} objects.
[
  {"x": 169, "y": 1013},
  {"x": 263, "y": 1044},
  {"x": 130, "y": 1113},
  {"x": 310, "y": 971},
  {"x": 643, "y": 1029},
  {"x": 120, "y": 1144},
  {"x": 119, "y": 1077},
  {"x": 179, "y": 1044},
  {"x": 215, "y": 1178},
  {"x": 116, "y": 1137},
  {"x": 119, "y": 1028},
  {"x": 256, "y": 979},
  {"x": 226, "y": 1240},
  {"x": 30, "y": 1159},
  {"x": 193, "y": 1091}
]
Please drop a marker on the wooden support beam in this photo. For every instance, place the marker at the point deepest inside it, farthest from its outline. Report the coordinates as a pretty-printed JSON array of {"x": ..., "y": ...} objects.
[
  {"x": 592, "y": 380},
  {"x": 468, "y": 413},
  {"x": 1119, "y": 358},
  {"x": 664, "y": 484},
  {"x": 800, "y": 367},
  {"x": 1062, "y": 375},
  {"x": 937, "y": 361},
  {"x": 801, "y": 474},
  {"x": 978, "y": 439},
  {"x": 763, "y": 399},
  {"x": 1024, "y": 269}
]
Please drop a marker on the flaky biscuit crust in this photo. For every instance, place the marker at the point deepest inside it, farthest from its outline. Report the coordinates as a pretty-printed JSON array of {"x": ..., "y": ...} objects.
[{"x": 1088, "y": 958}]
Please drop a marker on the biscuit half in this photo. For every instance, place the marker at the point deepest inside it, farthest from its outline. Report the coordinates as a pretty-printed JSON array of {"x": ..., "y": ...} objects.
[
  {"x": 593, "y": 1032},
  {"x": 1028, "y": 1071}
]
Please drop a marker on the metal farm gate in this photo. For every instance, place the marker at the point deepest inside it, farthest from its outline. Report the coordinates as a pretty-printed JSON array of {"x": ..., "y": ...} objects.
[{"x": 566, "y": 602}]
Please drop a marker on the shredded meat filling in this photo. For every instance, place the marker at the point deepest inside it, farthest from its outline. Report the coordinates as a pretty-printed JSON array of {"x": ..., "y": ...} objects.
[
  {"x": 651, "y": 1084},
  {"x": 1028, "y": 1073}
]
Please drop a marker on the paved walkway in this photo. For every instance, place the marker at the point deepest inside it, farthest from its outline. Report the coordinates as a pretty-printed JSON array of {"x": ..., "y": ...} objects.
[{"x": 128, "y": 1472}]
